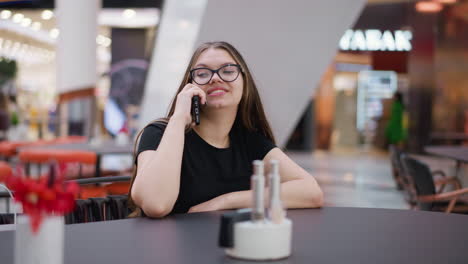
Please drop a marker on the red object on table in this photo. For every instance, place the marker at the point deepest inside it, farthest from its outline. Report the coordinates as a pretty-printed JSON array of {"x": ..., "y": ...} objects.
[{"x": 44, "y": 196}]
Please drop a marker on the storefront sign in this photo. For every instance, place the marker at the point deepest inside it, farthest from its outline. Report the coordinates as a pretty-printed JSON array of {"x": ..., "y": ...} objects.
[{"x": 374, "y": 39}]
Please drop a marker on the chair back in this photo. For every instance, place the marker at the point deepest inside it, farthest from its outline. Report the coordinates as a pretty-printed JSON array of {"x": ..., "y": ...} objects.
[
  {"x": 100, "y": 206},
  {"x": 401, "y": 176},
  {"x": 422, "y": 179}
]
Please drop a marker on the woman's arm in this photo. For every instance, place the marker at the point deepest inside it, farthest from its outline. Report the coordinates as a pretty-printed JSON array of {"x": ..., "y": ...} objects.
[
  {"x": 298, "y": 188},
  {"x": 157, "y": 182},
  {"x": 156, "y": 185}
]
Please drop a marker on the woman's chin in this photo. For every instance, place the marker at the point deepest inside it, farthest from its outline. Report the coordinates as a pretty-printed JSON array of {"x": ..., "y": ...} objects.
[{"x": 216, "y": 104}]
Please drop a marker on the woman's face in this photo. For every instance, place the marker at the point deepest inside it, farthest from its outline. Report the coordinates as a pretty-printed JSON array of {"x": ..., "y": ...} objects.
[{"x": 219, "y": 93}]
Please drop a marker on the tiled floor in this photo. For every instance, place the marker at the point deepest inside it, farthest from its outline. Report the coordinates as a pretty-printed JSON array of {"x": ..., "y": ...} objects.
[
  {"x": 360, "y": 178},
  {"x": 353, "y": 178}
]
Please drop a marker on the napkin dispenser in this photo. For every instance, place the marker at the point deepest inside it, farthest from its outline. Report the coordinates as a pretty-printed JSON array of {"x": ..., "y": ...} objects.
[
  {"x": 254, "y": 234},
  {"x": 254, "y": 240}
]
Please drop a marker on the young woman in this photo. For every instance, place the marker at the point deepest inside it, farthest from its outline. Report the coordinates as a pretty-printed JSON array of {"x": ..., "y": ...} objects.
[{"x": 182, "y": 167}]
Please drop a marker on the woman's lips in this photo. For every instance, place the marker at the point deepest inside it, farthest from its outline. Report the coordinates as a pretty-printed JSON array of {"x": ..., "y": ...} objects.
[{"x": 216, "y": 92}]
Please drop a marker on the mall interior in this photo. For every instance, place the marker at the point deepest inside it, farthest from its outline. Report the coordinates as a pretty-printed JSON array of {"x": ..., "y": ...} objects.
[{"x": 370, "y": 97}]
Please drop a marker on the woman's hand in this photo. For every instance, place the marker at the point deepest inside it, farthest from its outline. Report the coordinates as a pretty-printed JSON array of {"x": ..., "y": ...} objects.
[
  {"x": 184, "y": 101},
  {"x": 211, "y": 205}
]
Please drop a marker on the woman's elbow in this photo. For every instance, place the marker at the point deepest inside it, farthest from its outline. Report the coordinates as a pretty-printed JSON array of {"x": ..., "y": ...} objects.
[
  {"x": 317, "y": 198},
  {"x": 156, "y": 210},
  {"x": 315, "y": 195},
  {"x": 150, "y": 208}
]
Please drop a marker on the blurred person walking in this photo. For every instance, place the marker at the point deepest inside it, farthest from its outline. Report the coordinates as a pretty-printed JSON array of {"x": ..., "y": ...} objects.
[{"x": 396, "y": 130}]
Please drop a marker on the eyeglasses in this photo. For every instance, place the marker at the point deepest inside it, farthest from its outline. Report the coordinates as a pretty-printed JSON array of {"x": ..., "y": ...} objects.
[{"x": 227, "y": 73}]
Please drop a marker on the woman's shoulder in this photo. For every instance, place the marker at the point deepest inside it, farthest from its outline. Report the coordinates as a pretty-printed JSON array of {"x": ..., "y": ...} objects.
[
  {"x": 252, "y": 136},
  {"x": 159, "y": 124},
  {"x": 255, "y": 142}
]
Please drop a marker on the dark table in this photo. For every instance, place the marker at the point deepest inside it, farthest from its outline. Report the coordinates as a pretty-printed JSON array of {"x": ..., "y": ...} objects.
[
  {"x": 104, "y": 148},
  {"x": 456, "y": 137},
  {"x": 457, "y": 153},
  {"x": 328, "y": 235},
  {"x": 448, "y": 137}
]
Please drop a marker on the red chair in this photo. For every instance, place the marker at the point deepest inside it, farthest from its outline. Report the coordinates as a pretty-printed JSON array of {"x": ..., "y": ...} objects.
[
  {"x": 85, "y": 161},
  {"x": 80, "y": 164},
  {"x": 5, "y": 171},
  {"x": 118, "y": 188},
  {"x": 8, "y": 148}
]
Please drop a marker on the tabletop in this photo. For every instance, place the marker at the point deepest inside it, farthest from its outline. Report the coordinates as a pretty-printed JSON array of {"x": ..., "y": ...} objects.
[
  {"x": 327, "y": 235},
  {"x": 105, "y": 147},
  {"x": 459, "y": 153}
]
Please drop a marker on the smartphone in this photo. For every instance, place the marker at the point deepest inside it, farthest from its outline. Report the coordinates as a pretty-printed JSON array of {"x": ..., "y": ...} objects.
[{"x": 196, "y": 109}]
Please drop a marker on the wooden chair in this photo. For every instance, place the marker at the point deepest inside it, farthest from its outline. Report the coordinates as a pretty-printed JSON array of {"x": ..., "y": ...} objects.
[
  {"x": 406, "y": 182},
  {"x": 427, "y": 197},
  {"x": 400, "y": 176}
]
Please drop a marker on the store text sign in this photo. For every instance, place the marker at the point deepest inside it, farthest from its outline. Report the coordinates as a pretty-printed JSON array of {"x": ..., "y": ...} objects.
[{"x": 374, "y": 39}]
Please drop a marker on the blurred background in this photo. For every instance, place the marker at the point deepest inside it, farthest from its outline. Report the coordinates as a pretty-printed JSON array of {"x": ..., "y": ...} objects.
[{"x": 359, "y": 76}]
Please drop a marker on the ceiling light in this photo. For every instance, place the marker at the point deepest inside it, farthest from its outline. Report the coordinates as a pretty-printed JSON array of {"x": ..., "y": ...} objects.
[
  {"x": 428, "y": 7},
  {"x": 54, "y": 33},
  {"x": 18, "y": 17},
  {"x": 26, "y": 22},
  {"x": 128, "y": 13},
  {"x": 47, "y": 14},
  {"x": 5, "y": 14},
  {"x": 36, "y": 26},
  {"x": 107, "y": 42},
  {"x": 100, "y": 39}
]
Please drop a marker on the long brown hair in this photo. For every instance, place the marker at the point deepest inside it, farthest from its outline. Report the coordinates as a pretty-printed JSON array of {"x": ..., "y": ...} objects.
[{"x": 250, "y": 113}]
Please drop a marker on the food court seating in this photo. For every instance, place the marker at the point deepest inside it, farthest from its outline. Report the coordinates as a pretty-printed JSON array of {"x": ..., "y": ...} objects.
[
  {"x": 405, "y": 182},
  {"x": 402, "y": 180},
  {"x": 106, "y": 207},
  {"x": 9, "y": 149},
  {"x": 79, "y": 163},
  {"x": 425, "y": 188}
]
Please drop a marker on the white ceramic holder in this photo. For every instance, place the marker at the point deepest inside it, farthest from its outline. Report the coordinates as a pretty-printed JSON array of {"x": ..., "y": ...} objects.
[
  {"x": 261, "y": 240},
  {"x": 45, "y": 247}
]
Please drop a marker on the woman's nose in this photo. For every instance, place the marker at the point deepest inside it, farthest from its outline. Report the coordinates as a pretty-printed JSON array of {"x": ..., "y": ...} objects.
[{"x": 215, "y": 78}]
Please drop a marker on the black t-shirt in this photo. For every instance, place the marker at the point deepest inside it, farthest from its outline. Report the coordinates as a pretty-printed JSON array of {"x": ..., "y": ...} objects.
[{"x": 207, "y": 171}]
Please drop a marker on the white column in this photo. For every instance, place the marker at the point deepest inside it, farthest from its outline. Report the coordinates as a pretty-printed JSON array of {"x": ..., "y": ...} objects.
[
  {"x": 76, "y": 44},
  {"x": 77, "y": 22}
]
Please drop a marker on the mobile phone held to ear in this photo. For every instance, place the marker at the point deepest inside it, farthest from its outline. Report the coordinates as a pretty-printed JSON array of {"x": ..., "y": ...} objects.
[{"x": 196, "y": 109}]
